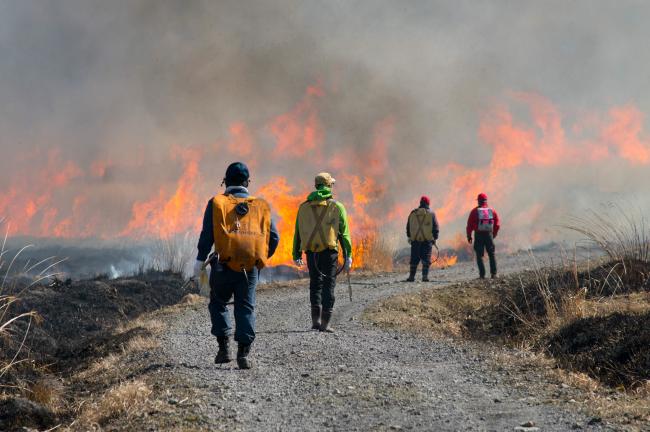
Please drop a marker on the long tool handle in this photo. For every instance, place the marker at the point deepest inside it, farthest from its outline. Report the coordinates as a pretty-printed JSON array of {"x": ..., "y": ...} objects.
[{"x": 349, "y": 286}]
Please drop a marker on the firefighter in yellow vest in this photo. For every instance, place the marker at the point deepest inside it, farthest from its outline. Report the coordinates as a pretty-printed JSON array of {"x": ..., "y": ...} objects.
[
  {"x": 422, "y": 231},
  {"x": 321, "y": 225},
  {"x": 240, "y": 228}
]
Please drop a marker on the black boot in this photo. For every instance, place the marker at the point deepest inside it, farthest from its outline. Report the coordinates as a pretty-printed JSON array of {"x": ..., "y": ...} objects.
[
  {"x": 315, "y": 317},
  {"x": 425, "y": 274},
  {"x": 223, "y": 355},
  {"x": 242, "y": 357},
  {"x": 325, "y": 323},
  {"x": 411, "y": 277}
]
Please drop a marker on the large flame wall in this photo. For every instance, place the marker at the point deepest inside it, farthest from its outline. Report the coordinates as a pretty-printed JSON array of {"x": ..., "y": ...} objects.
[{"x": 118, "y": 122}]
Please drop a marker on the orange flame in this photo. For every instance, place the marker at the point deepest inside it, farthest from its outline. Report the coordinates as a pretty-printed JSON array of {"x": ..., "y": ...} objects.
[
  {"x": 166, "y": 215},
  {"x": 285, "y": 204},
  {"x": 299, "y": 131},
  {"x": 60, "y": 199}
]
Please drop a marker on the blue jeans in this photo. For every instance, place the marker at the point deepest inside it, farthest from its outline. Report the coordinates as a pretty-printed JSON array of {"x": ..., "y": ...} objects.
[{"x": 224, "y": 284}]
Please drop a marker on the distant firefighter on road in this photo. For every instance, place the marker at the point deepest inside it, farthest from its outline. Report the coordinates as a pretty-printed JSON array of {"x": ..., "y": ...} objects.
[
  {"x": 422, "y": 231},
  {"x": 484, "y": 223}
]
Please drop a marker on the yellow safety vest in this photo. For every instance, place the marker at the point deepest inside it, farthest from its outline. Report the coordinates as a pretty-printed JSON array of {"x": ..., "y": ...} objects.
[
  {"x": 318, "y": 225},
  {"x": 421, "y": 225},
  {"x": 241, "y": 240}
]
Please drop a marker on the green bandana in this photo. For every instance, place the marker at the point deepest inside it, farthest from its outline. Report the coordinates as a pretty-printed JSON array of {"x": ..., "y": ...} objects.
[{"x": 321, "y": 193}]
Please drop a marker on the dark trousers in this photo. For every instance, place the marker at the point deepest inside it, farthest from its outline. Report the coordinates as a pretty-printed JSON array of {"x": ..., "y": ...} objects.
[
  {"x": 421, "y": 251},
  {"x": 322, "y": 277},
  {"x": 484, "y": 242},
  {"x": 225, "y": 283}
]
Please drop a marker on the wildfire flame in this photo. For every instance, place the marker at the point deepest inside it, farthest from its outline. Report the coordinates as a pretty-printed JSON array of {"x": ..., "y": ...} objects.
[{"x": 59, "y": 200}]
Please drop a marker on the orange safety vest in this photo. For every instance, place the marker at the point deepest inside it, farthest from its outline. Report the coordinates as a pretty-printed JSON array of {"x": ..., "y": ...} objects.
[{"x": 242, "y": 228}]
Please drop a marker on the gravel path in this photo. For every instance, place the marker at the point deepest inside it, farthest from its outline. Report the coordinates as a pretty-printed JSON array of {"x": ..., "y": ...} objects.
[{"x": 361, "y": 378}]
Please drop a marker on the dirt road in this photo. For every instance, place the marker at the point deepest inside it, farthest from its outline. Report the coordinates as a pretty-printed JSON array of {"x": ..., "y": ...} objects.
[{"x": 361, "y": 378}]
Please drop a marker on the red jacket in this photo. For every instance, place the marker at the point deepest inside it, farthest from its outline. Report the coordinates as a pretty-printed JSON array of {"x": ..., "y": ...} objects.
[{"x": 472, "y": 222}]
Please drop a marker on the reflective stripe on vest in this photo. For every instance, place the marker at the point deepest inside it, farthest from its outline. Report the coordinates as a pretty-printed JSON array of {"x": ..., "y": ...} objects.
[
  {"x": 421, "y": 225},
  {"x": 485, "y": 219},
  {"x": 318, "y": 225}
]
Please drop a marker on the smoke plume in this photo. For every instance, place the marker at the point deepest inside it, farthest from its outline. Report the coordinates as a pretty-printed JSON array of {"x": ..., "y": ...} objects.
[{"x": 119, "y": 118}]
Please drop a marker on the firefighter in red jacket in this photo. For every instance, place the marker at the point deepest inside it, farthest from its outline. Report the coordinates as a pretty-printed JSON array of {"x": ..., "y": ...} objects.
[{"x": 484, "y": 222}]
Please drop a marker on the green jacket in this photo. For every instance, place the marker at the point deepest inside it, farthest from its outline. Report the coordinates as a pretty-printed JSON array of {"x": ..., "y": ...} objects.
[{"x": 320, "y": 194}]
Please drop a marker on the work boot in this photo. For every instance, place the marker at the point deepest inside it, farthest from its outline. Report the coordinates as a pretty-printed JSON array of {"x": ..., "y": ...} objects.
[
  {"x": 315, "y": 317},
  {"x": 325, "y": 323},
  {"x": 223, "y": 355},
  {"x": 494, "y": 276},
  {"x": 242, "y": 356},
  {"x": 425, "y": 275},
  {"x": 411, "y": 277}
]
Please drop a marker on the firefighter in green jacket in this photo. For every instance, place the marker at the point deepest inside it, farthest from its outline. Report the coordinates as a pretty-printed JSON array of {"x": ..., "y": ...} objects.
[{"x": 320, "y": 225}]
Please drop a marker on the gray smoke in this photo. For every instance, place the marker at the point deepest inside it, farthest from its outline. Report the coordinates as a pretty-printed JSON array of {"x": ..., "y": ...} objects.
[{"x": 125, "y": 81}]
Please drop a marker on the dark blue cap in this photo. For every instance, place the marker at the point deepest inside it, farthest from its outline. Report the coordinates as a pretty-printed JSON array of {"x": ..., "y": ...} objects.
[{"x": 237, "y": 173}]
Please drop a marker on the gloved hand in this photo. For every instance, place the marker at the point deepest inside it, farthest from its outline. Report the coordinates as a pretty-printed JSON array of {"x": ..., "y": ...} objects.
[
  {"x": 348, "y": 263},
  {"x": 198, "y": 266},
  {"x": 469, "y": 240},
  {"x": 299, "y": 262}
]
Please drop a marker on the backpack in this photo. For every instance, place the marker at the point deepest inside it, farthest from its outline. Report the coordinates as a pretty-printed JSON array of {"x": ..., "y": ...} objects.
[
  {"x": 420, "y": 225},
  {"x": 485, "y": 219},
  {"x": 242, "y": 228},
  {"x": 318, "y": 225}
]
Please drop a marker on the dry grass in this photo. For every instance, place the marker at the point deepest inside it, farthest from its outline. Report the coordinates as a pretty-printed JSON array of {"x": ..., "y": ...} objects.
[
  {"x": 101, "y": 366},
  {"x": 623, "y": 234},
  {"x": 173, "y": 254},
  {"x": 560, "y": 319},
  {"x": 127, "y": 405},
  {"x": 141, "y": 343},
  {"x": 546, "y": 300},
  {"x": 631, "y": 408},
  {"x": 125, "y": 399},
  {"x": 192, "y": 299},
  {"x": 49, "y": 392},
  {"x": 144, "y": 322},
  {"x": 375, "y": 253},
  {"x": 440, "y": 312},
  {"x": 13, "y": 334},
  {"x": 473, "y": 310}
]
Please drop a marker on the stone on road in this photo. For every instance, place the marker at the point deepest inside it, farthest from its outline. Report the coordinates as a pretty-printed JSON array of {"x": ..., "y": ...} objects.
[{"x": 359, "y": 378}]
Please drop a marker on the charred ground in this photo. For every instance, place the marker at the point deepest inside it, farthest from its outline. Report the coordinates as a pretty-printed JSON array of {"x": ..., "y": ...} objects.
[{"x": 77, "y": 323}]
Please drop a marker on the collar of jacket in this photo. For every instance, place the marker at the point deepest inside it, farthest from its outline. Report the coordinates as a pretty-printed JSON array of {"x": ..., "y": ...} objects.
[
  {"x": 320, "y": 194},
  {"x": 237, "y": 190}
]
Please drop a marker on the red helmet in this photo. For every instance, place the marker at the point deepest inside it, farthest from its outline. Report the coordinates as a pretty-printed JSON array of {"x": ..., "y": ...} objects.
[
  {"x": 482, "y": 197},
  {"x": 425, "y": 200}
]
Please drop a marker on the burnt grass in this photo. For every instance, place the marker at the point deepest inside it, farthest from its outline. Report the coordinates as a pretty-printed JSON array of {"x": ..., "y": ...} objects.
[
  {"x": 74, "y": 326},
  {"x": 613, "y": 348}
]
